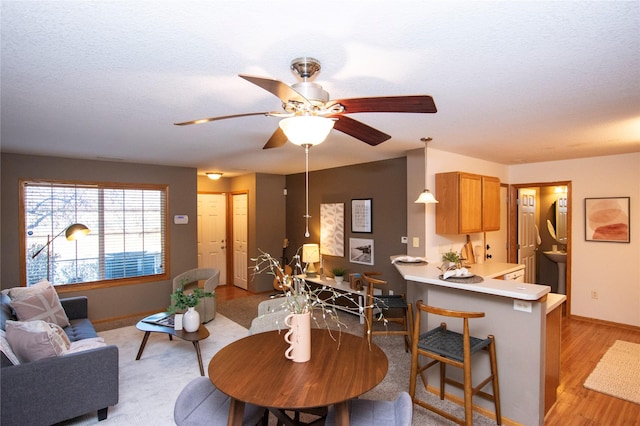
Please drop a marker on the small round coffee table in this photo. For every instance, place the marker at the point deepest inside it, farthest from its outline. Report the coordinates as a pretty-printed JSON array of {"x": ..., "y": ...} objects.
[{"x": 149, "y": 325}]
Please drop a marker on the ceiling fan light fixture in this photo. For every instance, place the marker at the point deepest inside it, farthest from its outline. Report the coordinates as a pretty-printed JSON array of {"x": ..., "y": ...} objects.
[
  {"x": 214, "y": 175},
  {"x": 306, "y": 130}
]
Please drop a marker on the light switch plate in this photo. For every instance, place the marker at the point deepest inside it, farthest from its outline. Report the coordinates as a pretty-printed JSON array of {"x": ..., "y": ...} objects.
[{"x": 522, "y": 305}]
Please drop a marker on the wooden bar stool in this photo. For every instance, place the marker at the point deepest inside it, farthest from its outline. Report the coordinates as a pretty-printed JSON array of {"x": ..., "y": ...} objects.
[
  {"x": 444, "y": 347},
  {"x": 389, "y": 305}
]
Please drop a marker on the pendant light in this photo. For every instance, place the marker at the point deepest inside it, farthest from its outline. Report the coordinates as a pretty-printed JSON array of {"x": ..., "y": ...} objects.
[{"x": 426, "y": 197}]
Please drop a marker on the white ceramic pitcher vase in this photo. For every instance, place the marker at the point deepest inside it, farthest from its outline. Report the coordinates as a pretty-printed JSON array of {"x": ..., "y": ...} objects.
[
  {"x": 191, "y": 320},
  {"x": 298, "y": 337}
]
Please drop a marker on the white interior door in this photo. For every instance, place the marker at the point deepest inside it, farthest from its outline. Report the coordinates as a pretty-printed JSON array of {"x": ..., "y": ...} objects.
[
  {"x": 240, "y": 231},
  {"x": 527, "y": 234},
  {"x": 212, "y": 225}
]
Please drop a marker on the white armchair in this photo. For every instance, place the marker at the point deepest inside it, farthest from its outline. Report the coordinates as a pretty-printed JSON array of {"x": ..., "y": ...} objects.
[{"x": 211, "y": 277}]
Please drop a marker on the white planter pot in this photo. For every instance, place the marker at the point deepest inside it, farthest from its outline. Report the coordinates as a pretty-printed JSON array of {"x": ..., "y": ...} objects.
[
  {"x": 339, "y": 278},
  {"x": 191, "y": 320},
  {"x": 298, "y": 337}
]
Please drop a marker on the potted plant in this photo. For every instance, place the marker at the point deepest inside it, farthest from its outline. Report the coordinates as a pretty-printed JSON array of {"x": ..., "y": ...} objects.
[
  {"x": 451, "y": 259},
  {"x": 181, "y": 302},
  {"x": 338, "y": 274}
]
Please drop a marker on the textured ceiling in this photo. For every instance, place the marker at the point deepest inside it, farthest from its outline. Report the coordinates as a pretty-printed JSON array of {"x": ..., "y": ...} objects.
[{"x": 514, "y": 82}]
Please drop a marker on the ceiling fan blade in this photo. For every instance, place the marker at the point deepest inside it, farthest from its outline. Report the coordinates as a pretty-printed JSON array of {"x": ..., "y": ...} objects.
[
  {"x": 417, "y": 104},
  {"x": 283, "y": 91},
  {"x": 358, "y": 130},
  {"x": 277, "y": 139},
  {"x": 222, "y": 117}
]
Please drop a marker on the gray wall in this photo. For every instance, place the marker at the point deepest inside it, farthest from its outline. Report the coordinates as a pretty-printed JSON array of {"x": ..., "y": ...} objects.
[
  {"x": 384, "y": 182},
  {"x": 118, "y": 302}
]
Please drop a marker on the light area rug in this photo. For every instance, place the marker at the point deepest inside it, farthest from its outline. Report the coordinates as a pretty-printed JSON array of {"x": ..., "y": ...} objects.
[
  {"x": 618, "y": 372},
  {"x": 149, "y": 387}
]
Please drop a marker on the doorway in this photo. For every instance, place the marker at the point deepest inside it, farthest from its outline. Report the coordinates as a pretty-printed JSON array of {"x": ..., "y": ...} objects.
[
  {"x": 240, "y": 225},
  {"x": 212, "y": 233},
  {"x": 530, "y": 236}
]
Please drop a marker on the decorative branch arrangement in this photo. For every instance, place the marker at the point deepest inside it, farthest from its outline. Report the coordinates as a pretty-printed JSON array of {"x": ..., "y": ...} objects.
[{"x": 299, "y": 297}]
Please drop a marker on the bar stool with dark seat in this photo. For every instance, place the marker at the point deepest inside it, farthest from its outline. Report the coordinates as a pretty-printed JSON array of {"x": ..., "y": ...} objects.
[
  {"x": 444, "y": 347},
  {"x": 394, "y": 308}
]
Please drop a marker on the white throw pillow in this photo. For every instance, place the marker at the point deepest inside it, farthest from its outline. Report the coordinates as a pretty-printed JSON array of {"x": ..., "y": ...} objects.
[
  {"x": 6, "y": 348},
  {"x": 34, "y": 340},
  {"x": 86, "y": 344}
]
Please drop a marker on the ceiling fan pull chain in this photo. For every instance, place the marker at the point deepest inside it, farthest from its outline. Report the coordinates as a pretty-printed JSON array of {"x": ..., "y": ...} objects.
[{"x": 306, "y": 178}]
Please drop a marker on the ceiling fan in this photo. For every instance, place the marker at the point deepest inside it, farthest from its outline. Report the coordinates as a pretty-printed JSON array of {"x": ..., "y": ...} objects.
[{"x": 309, "y": 99}]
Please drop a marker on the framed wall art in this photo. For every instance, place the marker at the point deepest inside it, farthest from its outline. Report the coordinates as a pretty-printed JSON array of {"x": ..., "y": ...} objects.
[
  {"x": 361, "y": 251},
  {"x": 332, "y": 229},
  {"x": 361, "y": 215},
  {"x": 607, "y": 219}
]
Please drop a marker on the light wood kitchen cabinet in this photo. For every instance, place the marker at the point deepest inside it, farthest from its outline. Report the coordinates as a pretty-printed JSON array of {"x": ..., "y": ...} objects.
[
  {"x": 467, "y": 203},
  {"x": 490, "y": 203}
]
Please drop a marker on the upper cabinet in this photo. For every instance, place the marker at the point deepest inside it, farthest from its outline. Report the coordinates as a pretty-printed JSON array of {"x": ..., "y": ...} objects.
[{"x": 467, "y": 203}]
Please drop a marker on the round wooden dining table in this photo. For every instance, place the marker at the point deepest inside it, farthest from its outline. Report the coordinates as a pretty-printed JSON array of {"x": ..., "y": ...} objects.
[{"x": 254, "y": 370}]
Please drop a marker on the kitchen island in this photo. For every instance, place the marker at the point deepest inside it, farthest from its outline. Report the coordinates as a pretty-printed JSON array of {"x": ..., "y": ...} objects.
[{"x": 515, "y": 313}]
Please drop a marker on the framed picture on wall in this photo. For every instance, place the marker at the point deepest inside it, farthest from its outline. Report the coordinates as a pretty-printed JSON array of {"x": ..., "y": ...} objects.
[
  {"x": 607, "y": 219},
  {"x": 361, "y": 215},
  {"x": 332, "y": 229},
  {"x": 361, "y": 251}
]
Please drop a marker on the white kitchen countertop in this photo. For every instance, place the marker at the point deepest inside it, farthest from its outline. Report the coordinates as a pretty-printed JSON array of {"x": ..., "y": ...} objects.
[
  {"x": 429, "y": 273},
  {"x": 554, "y": 300}
]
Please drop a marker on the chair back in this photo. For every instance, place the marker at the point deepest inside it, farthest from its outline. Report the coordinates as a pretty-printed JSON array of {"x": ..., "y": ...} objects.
[
  {"x": 422, "y": 308},
  {"x": 210, "y": 275}
]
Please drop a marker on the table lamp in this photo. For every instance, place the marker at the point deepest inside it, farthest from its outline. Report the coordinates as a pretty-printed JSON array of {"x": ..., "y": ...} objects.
[{"x": 311, "y": 255}]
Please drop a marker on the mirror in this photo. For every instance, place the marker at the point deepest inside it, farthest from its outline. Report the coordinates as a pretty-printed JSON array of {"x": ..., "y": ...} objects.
[
  {"x": 559, "y": 231},
  {"x": 561, "y": 219}
]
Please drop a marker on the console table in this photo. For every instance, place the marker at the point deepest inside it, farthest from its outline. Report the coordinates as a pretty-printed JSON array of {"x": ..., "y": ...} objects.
[{"x": 356, "y": 307}]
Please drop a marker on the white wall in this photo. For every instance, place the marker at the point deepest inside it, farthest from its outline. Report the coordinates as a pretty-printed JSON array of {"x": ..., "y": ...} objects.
[{"x": 610, "y": 269}]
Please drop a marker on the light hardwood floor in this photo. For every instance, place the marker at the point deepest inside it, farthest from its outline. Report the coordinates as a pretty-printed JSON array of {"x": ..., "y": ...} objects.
[{"x": 583, "y": 344}]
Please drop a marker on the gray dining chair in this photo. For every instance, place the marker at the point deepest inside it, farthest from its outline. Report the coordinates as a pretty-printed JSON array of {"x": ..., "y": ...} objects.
[
  {"x": 271, "y": 315},
  {"x": 366, "y": 412},
  {"x": 201, "y": 403}
]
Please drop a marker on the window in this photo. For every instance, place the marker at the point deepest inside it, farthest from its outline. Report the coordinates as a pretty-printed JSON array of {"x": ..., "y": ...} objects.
[{"x": 127, "y": 237}]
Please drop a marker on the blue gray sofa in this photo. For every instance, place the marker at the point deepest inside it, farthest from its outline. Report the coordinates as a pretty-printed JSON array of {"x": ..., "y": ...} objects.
[{"x": 51, "y": 390}]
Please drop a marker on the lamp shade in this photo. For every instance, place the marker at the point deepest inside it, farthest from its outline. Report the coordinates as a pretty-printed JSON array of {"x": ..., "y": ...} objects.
[
  {"x": 310, "y": 253},
  {"x": 75, "y": 231},
  {"x": 306, "y": 129},
  {"x": 426, "y": 197}
]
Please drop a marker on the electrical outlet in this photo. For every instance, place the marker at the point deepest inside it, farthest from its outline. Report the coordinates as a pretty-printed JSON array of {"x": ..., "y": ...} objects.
[
  {"x": 390, "y": 292},
  {"x": 404, "y": 240},
  {"x": 416, "y": 242},
  {"x": 594, "y": 294},
  {"x": 522, "y": 305}
]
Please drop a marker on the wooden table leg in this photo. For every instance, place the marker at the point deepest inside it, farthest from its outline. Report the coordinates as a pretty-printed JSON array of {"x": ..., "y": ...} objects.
[
  {"x": 342, "y": 413},
  {"x": 196, "y": 345},
  {"x": 142, "y": 345},
  {"x": 236, "y": 412}
]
